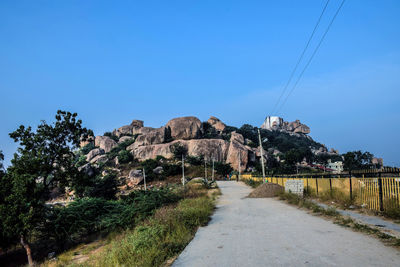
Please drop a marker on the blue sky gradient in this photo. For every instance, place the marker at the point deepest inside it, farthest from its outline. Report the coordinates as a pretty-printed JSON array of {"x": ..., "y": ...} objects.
[{"x": 114, "y": 61}]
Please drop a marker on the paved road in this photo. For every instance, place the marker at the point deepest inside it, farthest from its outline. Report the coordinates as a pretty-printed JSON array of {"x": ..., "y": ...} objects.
[{"x": 267, "y": 232}]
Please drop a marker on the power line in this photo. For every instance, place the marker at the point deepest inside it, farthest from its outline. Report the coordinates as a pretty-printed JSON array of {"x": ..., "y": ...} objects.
[
  {"x": 301, "y": 57},
  {"x": 312, "y": 56}
]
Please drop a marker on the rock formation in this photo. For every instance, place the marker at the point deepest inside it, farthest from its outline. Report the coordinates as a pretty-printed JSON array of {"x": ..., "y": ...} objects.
[
  {"x": 274, "y": 123},
  {"x": 185, "y": 128},
  {"x": 105, "y": 143},
  {"x": 217, "y": 124}
]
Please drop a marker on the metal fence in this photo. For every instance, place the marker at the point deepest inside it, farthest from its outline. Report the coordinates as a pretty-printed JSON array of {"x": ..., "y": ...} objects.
[{"x": 375, "y": 193}]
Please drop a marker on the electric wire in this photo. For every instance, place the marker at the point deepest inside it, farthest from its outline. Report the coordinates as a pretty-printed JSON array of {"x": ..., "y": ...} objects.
[
  {"x": 312, "y": 56},
  {"x": 300, "y": 58}
]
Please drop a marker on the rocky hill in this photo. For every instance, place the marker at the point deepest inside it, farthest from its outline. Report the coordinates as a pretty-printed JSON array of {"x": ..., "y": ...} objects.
[{"x": 210, "y": 140}]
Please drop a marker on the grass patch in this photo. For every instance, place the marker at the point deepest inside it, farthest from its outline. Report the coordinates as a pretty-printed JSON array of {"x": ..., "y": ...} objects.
[
  {"x": 154, "y": 241},
  {"x": 252, "y": 183},
  {"x": 162, "y": 237}
]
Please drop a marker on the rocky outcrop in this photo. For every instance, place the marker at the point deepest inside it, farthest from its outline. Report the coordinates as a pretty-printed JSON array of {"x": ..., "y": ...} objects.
[
  {"x": 105, "y": 143},
  {"x": 99, "y": 159},
  {"x": 184, "y": 128},
  {"x": 217, "y": 124},
  {"x": 274, "y": 123},
  {"x": 209, "y": 148},
  {"x": 236, "y": 147},
  {"x": 93, "y": 153},
  {"x": 154, "y": 136},
  {"x": 158, "y": 170},
  {"x": 297, "y": 127},
  {"x": 135, "y": 177},
  {"x": 124, "y": 138},
  {"x": 142, "y": 130},
  {"x": 123, "y": 131},
  {"x": 137, "y": 123}
]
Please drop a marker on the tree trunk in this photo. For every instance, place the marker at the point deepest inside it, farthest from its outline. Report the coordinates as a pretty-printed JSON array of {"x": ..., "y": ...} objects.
[{"x": 28, "y": 250}]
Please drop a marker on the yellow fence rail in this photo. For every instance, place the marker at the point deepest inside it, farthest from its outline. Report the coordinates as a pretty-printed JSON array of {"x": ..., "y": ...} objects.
[{"x": 378, "y": 193}]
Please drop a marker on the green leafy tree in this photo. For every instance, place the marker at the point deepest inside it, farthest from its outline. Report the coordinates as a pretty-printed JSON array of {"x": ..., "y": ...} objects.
[
  {"x": 356, "y": 160},
  {"x": 44, "y": 160},
  {"x": 223, "y": 168},
  {"x": 179, "y": 150},
  {"x": 2, "y": 170}
]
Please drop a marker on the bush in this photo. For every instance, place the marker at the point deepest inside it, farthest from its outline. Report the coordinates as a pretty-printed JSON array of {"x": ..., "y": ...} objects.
[
  {"x": 172, "y": 169},
  {"x": 391, "y": 209},
  {"x": 92, "y": 215},
  {"x": 179, "y": 150},
  {"x": 195, "y": 161},
  {"x": 120, "y": 147},
  {"x": 223, "y": 168},
  {"x": 86, "y": 149},
  {"x": 81, "y": 160},
  {"x": 124, "y": 156}
]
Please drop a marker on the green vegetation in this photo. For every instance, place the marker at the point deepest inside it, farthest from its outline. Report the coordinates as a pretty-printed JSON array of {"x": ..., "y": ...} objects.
[
  {"x": 112, "y": 136},
  {"x": 357, "y": 160},
  {"x": 160, "y": 238},
  {"x": 252, "y": 183},
  {"x": 115, "y": 151},
  {"x": 179, "y": 150},
  {"x": 45, "y": 159}
]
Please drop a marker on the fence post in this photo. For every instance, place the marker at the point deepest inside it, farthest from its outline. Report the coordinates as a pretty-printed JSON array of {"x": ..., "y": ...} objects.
[
  {"x": 351, "y": 187},
  {"x": 380, "y": 192},
  {"x": 330, "y": 186},
  {"x": 316, "y": 184}
]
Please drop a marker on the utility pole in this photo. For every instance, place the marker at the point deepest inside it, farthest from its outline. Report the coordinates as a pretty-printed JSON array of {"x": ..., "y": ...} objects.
[
  {"x": 144, "y": 179},
  {"x": 183, "y": 170},
  {"x": 213, "y": 169},
  {"x": 262, "y": 156},
  {"x": 238, "y": 177},
  {"x": 205, "y": 168}
]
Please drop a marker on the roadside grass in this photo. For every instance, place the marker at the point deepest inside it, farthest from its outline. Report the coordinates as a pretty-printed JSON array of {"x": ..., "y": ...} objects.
[
  {"x": 157, "y": 240},
  {"x": 252, "y": 183},
  {"x": 338, "y": 219}
]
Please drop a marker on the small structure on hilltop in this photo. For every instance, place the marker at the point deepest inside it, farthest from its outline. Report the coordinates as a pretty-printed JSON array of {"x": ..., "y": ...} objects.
[{"x": 274, "y": 123}]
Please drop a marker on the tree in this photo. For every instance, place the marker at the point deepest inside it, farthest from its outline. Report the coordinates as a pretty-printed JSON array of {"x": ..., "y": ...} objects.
[
  {"x": 223, "y": 168},
  {"x": 44, "y": 160},
  {"x": 2, "y": 170},
  {"x": 355, "y": 160},
  {"x": 179, "y": 150}
]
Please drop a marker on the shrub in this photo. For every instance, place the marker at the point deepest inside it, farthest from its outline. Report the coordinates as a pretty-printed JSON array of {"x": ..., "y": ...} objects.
[
  {"x": 391, "y": 209},
  {"x": 124, "y": 156},
  {"x": 179, "y": 150},
  {"x": 81, "y": 160},
  {"x": 172, "y": 169},
  {"x": 195, "y": 161},
  {"x": 86, "y": 149},
  {"x": 223, "y": 168},
  {"x": 113, "y": 137}
]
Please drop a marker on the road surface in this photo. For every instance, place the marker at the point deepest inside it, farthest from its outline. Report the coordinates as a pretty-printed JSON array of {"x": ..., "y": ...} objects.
[{"x": 268, "y": 232}]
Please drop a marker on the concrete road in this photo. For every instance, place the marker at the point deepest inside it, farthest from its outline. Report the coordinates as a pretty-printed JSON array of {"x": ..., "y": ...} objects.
[{"x": 268, "y": 232}]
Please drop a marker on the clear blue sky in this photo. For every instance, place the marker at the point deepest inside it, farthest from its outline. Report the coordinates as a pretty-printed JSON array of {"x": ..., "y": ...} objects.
[{"x": 114, "y": 61}]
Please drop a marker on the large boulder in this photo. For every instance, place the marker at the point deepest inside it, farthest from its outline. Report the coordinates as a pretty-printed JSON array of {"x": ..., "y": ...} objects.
[
  {"x": 93, "y": 153},
  {"x": 99, "y": 159},
  {"x": 217, "y": 124},
  {"x": 236, "y": 147},
  {"x": 151, "y": 151},
  {"x": 123, "y": 131},
  {"x": 158, "y": 170},
  {"x": 142, "y": 130},
  {"x": 135, "y": 177},
  {"x": 137, "y": 123},
  {"x": 124, "y": 138},
  {"x": 155, "y": 136},
  {"x": 185, "y": 128},
  {"x": 105, "y": 143},
  {"x": 297, "y": 127},
  {"x": 237, "y": 137},
  {"x": 216, "y": 149}
]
